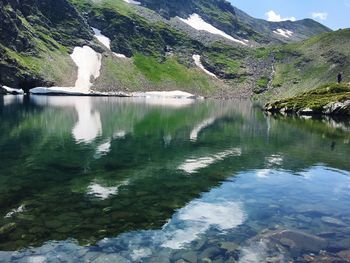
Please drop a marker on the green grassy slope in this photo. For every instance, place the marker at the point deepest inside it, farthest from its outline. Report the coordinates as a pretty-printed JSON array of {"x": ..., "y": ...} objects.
[{"x": 306, "y": 65}]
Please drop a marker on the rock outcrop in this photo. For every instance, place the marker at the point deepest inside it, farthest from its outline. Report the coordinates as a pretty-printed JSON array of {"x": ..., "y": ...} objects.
[{"x": 330, "y": 99}]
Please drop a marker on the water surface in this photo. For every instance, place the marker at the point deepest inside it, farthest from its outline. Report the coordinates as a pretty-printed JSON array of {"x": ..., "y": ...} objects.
[{"x": 160, "y": 180}]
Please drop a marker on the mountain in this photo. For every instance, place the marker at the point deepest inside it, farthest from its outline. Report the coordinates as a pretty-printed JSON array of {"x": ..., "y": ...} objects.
[
  {"x": 208, "y": 48},
  {"x": 221, "y": 14}
]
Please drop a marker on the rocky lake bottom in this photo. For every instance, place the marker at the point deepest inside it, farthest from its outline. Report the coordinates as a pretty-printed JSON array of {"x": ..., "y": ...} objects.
[{"x": 165, "y": 180}]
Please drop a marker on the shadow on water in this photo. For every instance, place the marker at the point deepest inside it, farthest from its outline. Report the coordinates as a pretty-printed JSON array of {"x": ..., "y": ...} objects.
[{"x": 154, "y": 169}]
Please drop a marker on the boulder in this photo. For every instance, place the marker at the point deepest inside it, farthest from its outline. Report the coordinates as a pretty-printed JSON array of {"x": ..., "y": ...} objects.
[{"x": 297, "y": 241}]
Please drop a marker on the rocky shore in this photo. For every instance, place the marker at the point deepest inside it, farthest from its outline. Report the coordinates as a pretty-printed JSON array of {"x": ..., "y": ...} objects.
[{"x": 331, "y": 99}]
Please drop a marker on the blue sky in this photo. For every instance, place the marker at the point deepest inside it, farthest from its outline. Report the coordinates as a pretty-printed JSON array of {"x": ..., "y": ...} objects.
[{"x": 332, "y": 13}]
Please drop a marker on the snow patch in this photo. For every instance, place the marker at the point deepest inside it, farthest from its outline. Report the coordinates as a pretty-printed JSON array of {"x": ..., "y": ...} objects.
[
  {"x": 198, "y": 23},
  {"x": 197, "y": 61},
  {"x": 106, "y": 42},
  {"x": 58, "y": 90},
  {"x": 174, "y": 98},
  {"x": 12, "y": 90},
  {"x": 88, "y": 62},
  {"x": 192, "y": 165},
  {"x": 20, "y": 209},
  {"x": 102, "y": 38},
  {"x": 283, "y": 32},
  {"x": 132, "y": 2},
  {"x": 118, "y": 55},
  {"x": 175, "y": 94}
]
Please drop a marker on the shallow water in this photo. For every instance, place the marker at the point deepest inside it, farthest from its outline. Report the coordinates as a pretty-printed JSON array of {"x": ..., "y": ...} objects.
[{"x": 160, "y": 180}]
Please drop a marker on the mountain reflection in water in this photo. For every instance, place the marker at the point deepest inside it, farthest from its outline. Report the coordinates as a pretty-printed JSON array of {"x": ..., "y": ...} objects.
[{"x": 135, "y": 180}]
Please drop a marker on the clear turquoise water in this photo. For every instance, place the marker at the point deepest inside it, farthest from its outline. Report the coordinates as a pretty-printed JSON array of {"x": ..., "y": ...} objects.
[{"x": 145, "y": 180}]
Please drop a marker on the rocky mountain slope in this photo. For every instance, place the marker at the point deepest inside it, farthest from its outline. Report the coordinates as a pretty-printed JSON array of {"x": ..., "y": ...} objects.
[{"x": 207, "y": 48}]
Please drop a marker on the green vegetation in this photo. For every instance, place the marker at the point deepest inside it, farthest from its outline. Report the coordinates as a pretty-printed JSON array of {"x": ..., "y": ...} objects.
[
  {"x": 305, "y": 65},
  {"x": 148, "y": 73},
  {"x": 172, "y": 71},
  {"x": 131, "y": 33},
  {"x": 315, "y": 100},
  {"x": 156, "y": 71},
  {"x": 263, "y": 82}
]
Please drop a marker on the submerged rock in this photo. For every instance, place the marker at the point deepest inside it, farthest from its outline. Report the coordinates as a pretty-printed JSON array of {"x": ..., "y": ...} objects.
[
  {"x": 344, "y": 255},
  {"x": 286, "y": 243},
  {"x": 332, "y": 221},
  {"x": 297, "y": 241}
]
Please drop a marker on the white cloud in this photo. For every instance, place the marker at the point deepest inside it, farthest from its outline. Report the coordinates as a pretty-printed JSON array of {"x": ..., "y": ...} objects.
[
  {"x": 320, "y": 15},
  {"x": 272, "y": 16}
]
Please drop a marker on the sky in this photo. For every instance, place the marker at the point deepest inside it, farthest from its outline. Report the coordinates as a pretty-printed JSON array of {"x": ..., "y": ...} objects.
[{"x": 332, "y": 13}]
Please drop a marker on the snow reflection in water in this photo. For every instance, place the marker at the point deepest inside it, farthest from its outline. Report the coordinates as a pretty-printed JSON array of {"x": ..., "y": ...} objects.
[{"x": 187, "y": 224}]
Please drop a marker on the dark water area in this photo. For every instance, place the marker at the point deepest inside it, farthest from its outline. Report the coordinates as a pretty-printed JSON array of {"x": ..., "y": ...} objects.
[{"x": 167, "y": 180}]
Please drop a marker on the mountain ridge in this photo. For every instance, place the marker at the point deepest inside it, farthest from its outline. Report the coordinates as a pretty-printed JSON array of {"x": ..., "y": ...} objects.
[{"x": 150, "y": 37}]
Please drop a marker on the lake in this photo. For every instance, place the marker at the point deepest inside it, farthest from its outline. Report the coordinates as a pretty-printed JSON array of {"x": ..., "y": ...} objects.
[{"x": 101, "y": 179}]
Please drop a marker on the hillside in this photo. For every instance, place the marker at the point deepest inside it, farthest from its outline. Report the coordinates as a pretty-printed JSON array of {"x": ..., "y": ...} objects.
[
  {"x": 208, "y": 48},
  {"x": 303, "y": 66}
]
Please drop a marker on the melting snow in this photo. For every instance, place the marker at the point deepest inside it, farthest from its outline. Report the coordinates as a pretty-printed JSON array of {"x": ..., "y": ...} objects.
[
  {"x": 174, "y": 98},
  {"x": 192, "y": 165},
  {"x": 58, "y": 90},
  {"x": 283, "y": 32},
  {"x": 106, "y": 42},
  {"x": 89, "y": 65},
  {"x": 119, "y": 55},
  {"x": 198, "y": 23},
  {"x": 102, "y": 38},
  {"x": 197, "y": 61},
  {"x": 132, "y": 2},
  {"x": 88, "y": 62},
  {"x": 20, "y": 209},
  {"x": 177, "y": 94},
  {"x": 12, "y": 90}
]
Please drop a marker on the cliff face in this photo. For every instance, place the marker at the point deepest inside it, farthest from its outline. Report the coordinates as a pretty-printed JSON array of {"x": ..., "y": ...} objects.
[
  {"x": 56, "y": 18},
  {"x": 27, "y": 28}
]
